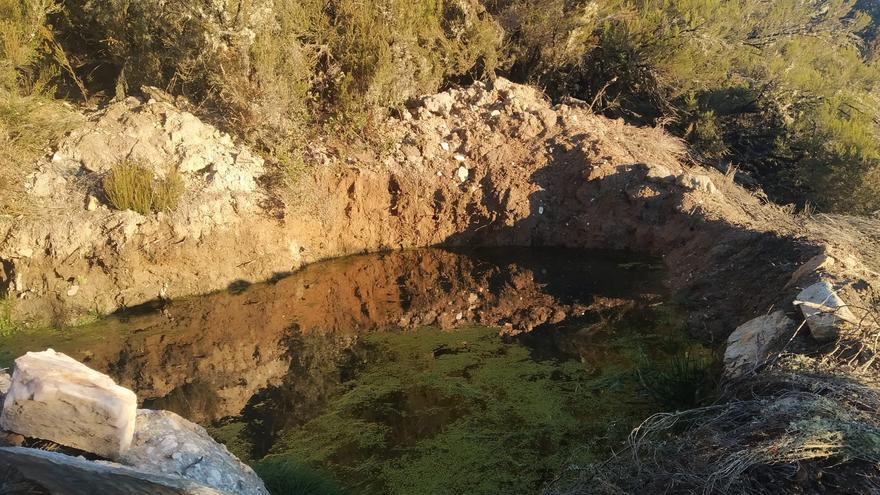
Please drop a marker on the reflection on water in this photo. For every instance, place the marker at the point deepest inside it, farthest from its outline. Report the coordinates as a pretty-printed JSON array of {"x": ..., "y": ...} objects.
[{"x": 315, "y": 366}]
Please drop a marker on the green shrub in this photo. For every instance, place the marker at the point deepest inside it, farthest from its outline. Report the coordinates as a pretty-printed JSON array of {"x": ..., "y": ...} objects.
[
  {"x": 269, "y": 69},
  {"x": 785, "y": 87},
  {"x": 130, "y": 186}
]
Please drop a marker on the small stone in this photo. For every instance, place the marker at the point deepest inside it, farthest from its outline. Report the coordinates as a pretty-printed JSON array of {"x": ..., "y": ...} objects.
[
  {"x": 73, "y": 290},
  {"x": 459, "y": 157},
  {"x": 540, "y": 210},
  {"x": 54, "y": 397},
  {"x": 440, "y": 104},
  {"x": 5, "y": 382},
  {"x": 9, "y": 439},
  {"x": 444, "y": 146},
  {"x": 658, "y": 172},
  {"x": 463, "y": 173},
  {"x": 698, "y": 182},
  {"x": 824, "y": 310},
  {"x": 92, "y": 203}
]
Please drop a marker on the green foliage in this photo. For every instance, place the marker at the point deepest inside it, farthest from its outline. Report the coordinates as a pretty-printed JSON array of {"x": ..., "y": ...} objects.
[
  {"x": 7, "y": 325},
  {"x": 30, "y": 62},
  {"x": 272, "y": 69},
  {"x": 784, "y": 85},
  {"x": 683, "y": 382},
  {"x": 131, "y": 186},
  {"x": 285, "y": 477},
  {"x": 468, "y": 412}
]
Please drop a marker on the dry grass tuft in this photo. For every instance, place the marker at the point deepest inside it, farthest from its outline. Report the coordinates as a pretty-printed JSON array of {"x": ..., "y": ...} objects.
[{"x": 131, "y": 186}]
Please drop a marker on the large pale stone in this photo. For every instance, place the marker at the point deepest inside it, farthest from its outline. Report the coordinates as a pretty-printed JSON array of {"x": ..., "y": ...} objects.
[
  {"x": 749, "y": 345},
  {"x": 56, "y": 398},
  {"x": 63, "y": 474},
  {"x": 165, "y": 443},
  {"x": 824, "y": 310}
]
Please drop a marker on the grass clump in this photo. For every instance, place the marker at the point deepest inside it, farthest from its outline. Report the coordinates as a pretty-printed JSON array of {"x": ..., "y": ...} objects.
[
  {"x": 131, "y": 186},
  {"x": 285, "y": 477},
  {"x": 683, "y": 382}
]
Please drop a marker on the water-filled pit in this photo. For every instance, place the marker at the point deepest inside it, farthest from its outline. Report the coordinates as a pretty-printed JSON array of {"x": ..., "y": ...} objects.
[{"x": 424, "y": 371}]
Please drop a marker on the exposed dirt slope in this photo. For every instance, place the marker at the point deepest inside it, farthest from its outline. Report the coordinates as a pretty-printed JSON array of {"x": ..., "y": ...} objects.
[{"x": 481, "y": 165}]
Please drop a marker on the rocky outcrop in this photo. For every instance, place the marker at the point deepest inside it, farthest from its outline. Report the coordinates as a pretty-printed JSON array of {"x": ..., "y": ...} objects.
[
  {"x": 750, "y": 344},
  {"x": 167, "y": 444},
  {"x": 54, "y": 397}
]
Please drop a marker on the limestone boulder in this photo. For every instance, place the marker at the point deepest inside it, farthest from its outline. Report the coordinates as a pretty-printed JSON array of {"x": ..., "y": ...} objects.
[
  {"x": 167, "y": 444},
  {"x": 750, "y": 344},
  {"x": 824, "y": 310},
  {"x": 54, "y": 397}
]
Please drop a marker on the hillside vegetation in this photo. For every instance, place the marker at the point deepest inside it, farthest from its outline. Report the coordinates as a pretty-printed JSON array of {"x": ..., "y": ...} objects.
[{"x": 784, "y": 90}]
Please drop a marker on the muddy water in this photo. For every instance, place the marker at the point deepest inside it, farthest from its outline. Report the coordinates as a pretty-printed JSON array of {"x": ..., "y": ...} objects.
[{"x": 426, "y": 371}]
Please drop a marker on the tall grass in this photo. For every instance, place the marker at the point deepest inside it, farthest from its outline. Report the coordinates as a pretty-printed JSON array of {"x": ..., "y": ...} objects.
[{"x": 131, "y": 186}]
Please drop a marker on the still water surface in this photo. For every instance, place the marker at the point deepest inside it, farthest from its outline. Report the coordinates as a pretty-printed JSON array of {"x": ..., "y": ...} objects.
[{"x": 425, "y": 371}]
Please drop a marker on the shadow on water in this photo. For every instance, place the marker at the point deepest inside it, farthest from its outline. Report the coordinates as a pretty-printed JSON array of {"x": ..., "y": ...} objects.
[{"x": 345, "y": 365}]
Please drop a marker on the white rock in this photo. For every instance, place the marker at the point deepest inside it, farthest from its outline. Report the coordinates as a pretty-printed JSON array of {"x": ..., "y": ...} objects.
[
  {"x": 56, "y": 398},
  {"x": 698, "y": 182},
  {"x": 656, "y": 171},
  {"x": 459, "y": 157},
  {"x": 5, "y": 382},
  {"x": 92, "y": 203},
  {"x": 440, "y": 104},
  {"x": 444, "y": 146},
  {"x": 167, "y": 444},
  {"x": 749, "y": 344},
  {"x": 824, "y": 310},
  {"x": 463, "y": 173}
]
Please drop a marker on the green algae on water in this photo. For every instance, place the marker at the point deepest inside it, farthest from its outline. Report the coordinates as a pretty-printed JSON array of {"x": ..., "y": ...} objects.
[{"x": 471, "y": 412}]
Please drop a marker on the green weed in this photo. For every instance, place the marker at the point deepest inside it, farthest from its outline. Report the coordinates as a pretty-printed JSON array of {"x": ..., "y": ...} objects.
[{"x": 131, "y": 186}]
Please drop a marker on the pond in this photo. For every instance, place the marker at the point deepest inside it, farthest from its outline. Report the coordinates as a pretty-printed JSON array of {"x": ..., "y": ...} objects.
[{"x": 412, "y": 372}]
